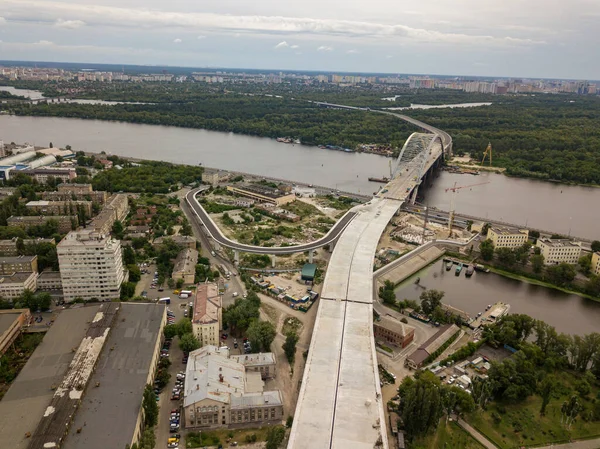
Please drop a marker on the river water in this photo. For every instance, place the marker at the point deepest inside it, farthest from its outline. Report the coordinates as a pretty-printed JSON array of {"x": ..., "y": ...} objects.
[
  {"x": 570, "y": 314},
  {"x": 438, "y": 106}
]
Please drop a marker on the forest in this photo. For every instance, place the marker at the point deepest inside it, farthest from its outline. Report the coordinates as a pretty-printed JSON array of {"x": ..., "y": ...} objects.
[{"x": 544, "y": 136}]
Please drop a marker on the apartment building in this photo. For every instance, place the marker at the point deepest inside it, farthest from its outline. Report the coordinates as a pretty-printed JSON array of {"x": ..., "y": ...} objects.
[
  {"x": 49, "y": 281},
  {"x": 557, "y": 251},
  {"x": 507, "y": 237},
  {"x": 220, "y": 392},
  {"x": 185, "y": 265},
  {"x": 208, "y": 309},
  {"x": 59, "y": 207},
  {"x": 181, "y": 240},
  {"x": 65, "y": 222},
  {"x": 91, "y": 266},
  {"x": 18, "y": 264},
  {"x": 596, "y": 263},
  {"x": 14, "y": 284},
  {"x": 42, "y": 175},
  {"x": 72, "y": 192},
  {"x": 116, "y": 208},
  {"x": 393, "y": 332}
]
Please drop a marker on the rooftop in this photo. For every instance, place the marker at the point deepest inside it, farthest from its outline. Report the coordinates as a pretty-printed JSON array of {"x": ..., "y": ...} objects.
[
  {"x": 257, "y": 399},
  {"x": 36, "y": 218},
  {"x": 206, "y": 304},
  {"x": 17, "y": 259},
  {"x": 28, "y": 397},
  {"x": 186, "y": 261},
  {"x": 559, "y": 243},
  {"x": 394, "y": 325},
  {"x": 262, "y": 190},
  {"x": 49, "y": 275},
  {"x": 8, "y": 317},
  {"x": 439, "y": 338},
  {"x": 16, "y": 278},
  {"x": 507, "y": 230},
  {"x": 108, "y": 415},
  {"x": 85, "y": 237},
  {"x": 266, "y": 358}
]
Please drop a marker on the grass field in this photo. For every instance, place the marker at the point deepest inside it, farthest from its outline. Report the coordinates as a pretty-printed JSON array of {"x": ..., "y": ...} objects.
[
  {"x": 224, "y": 436},
  {"x": 447, "y": 436},
  {"x": 514, "y": 425}
]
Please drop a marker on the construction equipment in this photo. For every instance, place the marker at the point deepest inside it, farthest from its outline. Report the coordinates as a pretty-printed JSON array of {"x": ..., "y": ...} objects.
[
  {"x": 453, "y": 201},
  {"x": 487, "y": 152}
]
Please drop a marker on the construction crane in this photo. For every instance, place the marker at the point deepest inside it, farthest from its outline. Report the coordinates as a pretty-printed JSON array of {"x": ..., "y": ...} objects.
[
  {"x": 487, "y": 152},
  {"x": 453, "y": 201}
]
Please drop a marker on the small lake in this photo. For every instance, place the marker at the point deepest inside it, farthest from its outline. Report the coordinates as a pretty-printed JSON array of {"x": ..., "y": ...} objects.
[{"x": 568, "y": 313}]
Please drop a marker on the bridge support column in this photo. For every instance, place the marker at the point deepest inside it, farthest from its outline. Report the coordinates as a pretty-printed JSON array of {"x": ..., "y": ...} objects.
[
  {"x": 236, "y": 254},
  {"x": 310, "y": 256},
  {"x": 273, "y": 260},
  {"x": 414, "y": 195}
]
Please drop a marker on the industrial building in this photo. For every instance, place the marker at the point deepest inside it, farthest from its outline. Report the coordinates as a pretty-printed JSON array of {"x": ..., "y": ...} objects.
[
  {"x": 220, "y": 391},
  {"x": 106, "y": 354},
  {"x": 44, "y": 207},
  {"x": 185, "y": 265},
  {"x": 12, "y": 322},
  {"x": 10, "y": 265},
  {"x": 418, "y": 357},
  {"x": 14, "y": 284},
  {"x": 263, "y": 194},
  {"x": 596, "y": 263},
  {"x": 207, "y": 319},
  {"x": 507, "y": 237},
  {"x": 23, "y": 161},
  {"x": 393, "y": 332},
  {"x": 557, "y": 251},
  {"x": 91, "y": 266},
  {"x": 309, "y": 271},
  {"x": 65, "y": 222},
  {"x": 214, "y": 177}
]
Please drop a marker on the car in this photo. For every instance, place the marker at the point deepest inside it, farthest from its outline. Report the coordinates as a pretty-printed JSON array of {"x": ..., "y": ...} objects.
[
  {"x": 161, "y": 289},
  {"x": 174, "y": 444},
  {"x": 191, "y": 304},
  {"x": 176, "y": 292},
  {"x": 479, "y": 314},
  {"x": 244, "y": 296},
  {"x": 224, "y": 336}
]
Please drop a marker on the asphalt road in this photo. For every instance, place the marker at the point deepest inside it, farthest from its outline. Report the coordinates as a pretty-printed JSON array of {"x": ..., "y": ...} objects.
[{"x": 202, "y": 217}]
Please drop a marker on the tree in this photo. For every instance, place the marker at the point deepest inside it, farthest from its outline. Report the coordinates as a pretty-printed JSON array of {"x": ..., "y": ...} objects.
[
  {"x": 184, "y": 326},
  {"x": 261, "y": 335},
  {"x": 150, "y": 407},
  {"x": 585, "y": 264},
  {"x": 186, "y": 229},
  {"x": 239, "y": 315},
  {"x": 592, "y": 286},
  {"x": 486, "y": 249},
  {"x": 537, "y": 263},
  {"x": 135, "y": 273},
  {"x": 506, "y": 256},
  {"x": 421, "y": 403},
  {"x": 546, "y": 389},
  {"x": 118, "y": 230},
  {"x": 596, "y": 245},
  {"x": 289, "y": 347},
  {"x": 481, "y": 390},
  {"x": 431, "y": 300},
  {"x": 128, "y": 255},
  {"x": 275, "y": 436},
  {"x": 170, "y": 331},
  {"x": 188, "y": 342},
  {"x": 534, "y": 234},
  {"x": 127, "y": 290},
  {"x": 387, "y": 294},
  {"x": 179, "y": 283},
  {"x": 561, "y": 274}
]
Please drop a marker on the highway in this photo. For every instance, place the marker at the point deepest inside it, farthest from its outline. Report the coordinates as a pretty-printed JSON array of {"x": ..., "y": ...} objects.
[{"x": 216, "y": 234}]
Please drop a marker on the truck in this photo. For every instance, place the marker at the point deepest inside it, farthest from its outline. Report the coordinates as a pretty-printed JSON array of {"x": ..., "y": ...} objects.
[
  {"x": 185, "y": 293},
  {"x": 164, "y": 301}
]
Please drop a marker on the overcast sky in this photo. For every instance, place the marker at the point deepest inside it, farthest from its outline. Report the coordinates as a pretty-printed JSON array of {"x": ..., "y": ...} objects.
[{"x": 528, "y": 38}]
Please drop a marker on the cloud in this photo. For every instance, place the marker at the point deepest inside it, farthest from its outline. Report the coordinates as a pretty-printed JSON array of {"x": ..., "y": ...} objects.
[
  {"x": 282, "y": 44},
  {"x": 201, "y": 37},
  {"x": 44, "y": 11},
  {"x": 2, "y": 20},
  {"x": 43, "y": 42},
  {"x": 324, "y": 48},
  {"x": 295, "y": 47},
  {"x": 69, "y": 24},
  {"x": 388, "y": 57},
  {"x": 351, "y": 52},
  {"x": 177, "y": 41}
]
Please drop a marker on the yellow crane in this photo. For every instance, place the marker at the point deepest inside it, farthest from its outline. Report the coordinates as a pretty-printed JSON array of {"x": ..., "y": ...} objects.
[
  {"x": 487, "y": 152},
  {"x": 454, "y": 191}
]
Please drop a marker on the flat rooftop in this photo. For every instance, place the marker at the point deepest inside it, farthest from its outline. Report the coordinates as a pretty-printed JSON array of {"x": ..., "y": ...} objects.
[
  {"x": 108, "y": 414},
  {"x": 7, "y": 320},
  {"x": 507, "y": 230},
  {"x": 559, "y": 243},
  {"x": 28, "y": 397}
]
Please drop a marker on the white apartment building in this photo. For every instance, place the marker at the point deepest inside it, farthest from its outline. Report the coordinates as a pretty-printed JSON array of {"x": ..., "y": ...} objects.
[
  {"x": 206, "y": 322},
  {"x": 13, "y": 285},
  {"x": 91, "y": 266},
  {"x": 557, "y": 251},
  {"x": 596, "y": 263},
  {"x": 505, "y": 237}
]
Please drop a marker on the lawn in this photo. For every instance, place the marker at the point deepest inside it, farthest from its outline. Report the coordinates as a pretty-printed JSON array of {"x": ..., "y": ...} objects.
[
  {"x": 514, "y": 425},
  {"x": 15, "y": 358},
  {"x": 447, "y": 436},
  {"x": 302, "y": 209},
  {"x": 224, "y": 436}
]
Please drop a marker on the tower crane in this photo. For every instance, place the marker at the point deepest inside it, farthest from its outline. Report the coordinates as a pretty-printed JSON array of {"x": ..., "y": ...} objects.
[
  {"x": 455, "y": 189},
  {"x": 487, "y": 152}
]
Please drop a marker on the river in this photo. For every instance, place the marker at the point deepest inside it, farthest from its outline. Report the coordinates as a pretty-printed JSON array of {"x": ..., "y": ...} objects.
[
  {"x": 570, "y": 314},
  {"x": 38, "y": 95},
  {"x": 438, "y": 106}
]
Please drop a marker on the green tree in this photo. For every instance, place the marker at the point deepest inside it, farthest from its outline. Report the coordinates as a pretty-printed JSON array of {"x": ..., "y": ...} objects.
[
  {"x": 184, "y": 326},
  {"x": 431, "y": 300},
  {"x": 537, "y": 263},
  {"x": 486, "y": 249},
  {"x": 186, "y": 229},
  {"x": 592, "y": 286},
  {"x": 171, "y": 330},
  {"x": 506, "y": 256},
  {"x": 135, "y": 273},
  {"x": 561, "y": 274},
  {"x": 275, "y": 436},
  {"x": 127, "y": 290},
  {"x": 179, "y": 283},
  {"x": 128, "y": 255},
  {"x": 596, "y": 246},
  {"x": 150, "y": 407},
  {"x": 118, "y": 230},
  {"x": 387, "y": 294},
  {"x": 585, "y": 264},
  {"x": 421, "y": 403},
  {"x": 188, "y": 342},
  {"x": 261, "y": 334},
  {"x": 546, "y": 390},
  {"x": 289, "y": 347}
]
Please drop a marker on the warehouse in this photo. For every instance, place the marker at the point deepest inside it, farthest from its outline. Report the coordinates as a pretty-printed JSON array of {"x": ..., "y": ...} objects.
[
  {"x": 264, "y": 194},
  {"x": 418, "y": 357}
]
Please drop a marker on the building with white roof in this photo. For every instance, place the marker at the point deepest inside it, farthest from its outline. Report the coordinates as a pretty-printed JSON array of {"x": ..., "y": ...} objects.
[{"x": 219, "y": 392}]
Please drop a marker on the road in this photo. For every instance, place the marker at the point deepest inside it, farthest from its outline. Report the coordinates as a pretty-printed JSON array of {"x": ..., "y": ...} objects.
[{"x": 200, "y": 215}]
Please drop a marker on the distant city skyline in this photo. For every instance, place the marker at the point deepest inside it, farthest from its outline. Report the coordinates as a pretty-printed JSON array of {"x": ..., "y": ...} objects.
[{"x": 547, "y": 39}]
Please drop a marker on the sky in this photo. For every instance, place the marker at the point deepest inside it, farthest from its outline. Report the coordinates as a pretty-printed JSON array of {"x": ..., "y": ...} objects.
[{"x": 513, "y": 38}]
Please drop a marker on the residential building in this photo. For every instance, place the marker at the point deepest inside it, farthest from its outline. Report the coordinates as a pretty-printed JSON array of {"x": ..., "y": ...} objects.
[
  {"x": 507, "y": 237},
  {"x": 185, "y": 266},
  {"x": 207, "y": 319},
  {"x": 71, "y": 192},
  {"x": 418, "y": 357},
  {"x": 184, "y": 241},
  {"x": 263, "y": 363},
  {"x": 42, "y": 175},
  {"x": 10, "y": 265},
  {"x": 393, "y": 332},
  {"x": 557, "y": 251},
  {"x": 213, "y": 177},
  {"x": 116, "y": 208},
  {"x": 220, "y": 392},
  {"x": 263, "y": 194},
  {"x": 596, "y": 263},
  {"x": 14, "y": 284},
  {"x": 49, "y": 280},
  {"x": 91, "y": 266},
  {"x": 11, "y": 323},
  {"x": 8, "y": 247},
  {"x": 44, "y": 207},
  {"x": 65, "y": 222}
]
